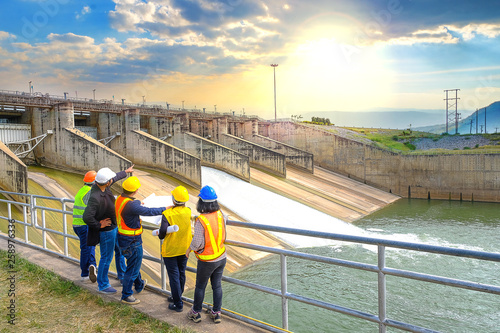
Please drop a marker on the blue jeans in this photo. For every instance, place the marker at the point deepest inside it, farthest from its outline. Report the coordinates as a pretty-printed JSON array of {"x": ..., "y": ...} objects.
[
  {"x": 108, "y": 246},
  {"x": 132, "y": 276},
  {"x": 87, "y": 253},
  {"x": 213, "y": 271},
  {"x": 119, "y": 262},
  {"x": 176, "y": 270}
]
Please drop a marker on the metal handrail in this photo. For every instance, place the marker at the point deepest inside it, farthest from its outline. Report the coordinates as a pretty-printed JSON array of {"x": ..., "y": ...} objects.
[{"x": 31, "y": 220}]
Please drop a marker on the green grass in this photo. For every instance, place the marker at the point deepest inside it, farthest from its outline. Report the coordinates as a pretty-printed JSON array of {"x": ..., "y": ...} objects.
[{"x": 46, "y": 302}]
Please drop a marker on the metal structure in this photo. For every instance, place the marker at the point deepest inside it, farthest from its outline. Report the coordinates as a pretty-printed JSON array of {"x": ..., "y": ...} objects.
[
  {"x": 274, "y": 70},
  {"x": 23, "y": 99},
  {"x": 34, "y": 218},
  {"x": 107, "y": 140},
  {"x": 452, "y": 116},
  {"x": 22, "y": 148}
]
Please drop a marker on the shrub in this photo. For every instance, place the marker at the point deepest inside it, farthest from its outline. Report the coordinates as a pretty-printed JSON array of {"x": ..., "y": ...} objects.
[
  {"x": 410, "y": 146},
  {"x": 466, "y": 148}
]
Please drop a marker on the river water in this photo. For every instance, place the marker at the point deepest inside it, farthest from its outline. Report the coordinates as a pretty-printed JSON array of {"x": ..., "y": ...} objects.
[{"x": 465, "y": 225}]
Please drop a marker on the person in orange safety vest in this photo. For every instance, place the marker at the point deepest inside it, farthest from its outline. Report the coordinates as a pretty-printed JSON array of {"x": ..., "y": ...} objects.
[
  {"x": 128, "y": 211},
  {"x": 208, "y": 245}
]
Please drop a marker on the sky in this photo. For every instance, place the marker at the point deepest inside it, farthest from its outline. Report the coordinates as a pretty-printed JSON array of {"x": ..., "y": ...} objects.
[{"x": 343, "y": 55}]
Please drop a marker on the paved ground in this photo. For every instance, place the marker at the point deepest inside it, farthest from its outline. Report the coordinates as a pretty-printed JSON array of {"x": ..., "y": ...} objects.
[{"x": 152, "y": 303}]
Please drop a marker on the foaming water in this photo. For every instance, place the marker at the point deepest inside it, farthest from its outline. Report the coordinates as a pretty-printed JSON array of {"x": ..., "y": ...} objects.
[{"x": 257, "y": 205}]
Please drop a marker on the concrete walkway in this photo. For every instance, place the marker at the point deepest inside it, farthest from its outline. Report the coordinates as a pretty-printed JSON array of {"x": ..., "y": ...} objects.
[{"x": 152, "y": 304}]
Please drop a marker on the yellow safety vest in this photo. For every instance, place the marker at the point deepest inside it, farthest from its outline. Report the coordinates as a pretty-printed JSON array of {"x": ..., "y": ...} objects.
[
  {"x": 176, "y": 243},
  {"x": 79, "y": 206},
  {"x": 215, "y": 235},
  {"x": 123, "y": 229}
]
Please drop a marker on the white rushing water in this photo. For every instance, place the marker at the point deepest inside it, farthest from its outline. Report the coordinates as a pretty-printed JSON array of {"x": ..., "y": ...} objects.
[{"x": 257, "y": 205}]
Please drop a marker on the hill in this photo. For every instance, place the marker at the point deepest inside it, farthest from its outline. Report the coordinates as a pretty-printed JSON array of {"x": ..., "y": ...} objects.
[
  {"x": 484, "y": 120},
  {"x": 396, "y": 119}
]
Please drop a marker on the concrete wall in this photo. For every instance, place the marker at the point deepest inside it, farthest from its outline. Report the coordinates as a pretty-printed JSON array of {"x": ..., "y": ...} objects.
[
  {"x": 431, "y": 176},
  {"x": 68, "y": 148},
  {"x": 216, "y": 155},
  {"x": 294, "y": 156},
  {"x": 259, "y": 156},
  {"x": 147, "y": 150},
  {"x": 14, "y": 175}
]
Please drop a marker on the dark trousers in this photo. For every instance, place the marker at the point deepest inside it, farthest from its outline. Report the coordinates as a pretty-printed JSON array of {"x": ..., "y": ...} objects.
[
  {"x": 87, "y": 253},
  {"x": 205, "y": 271},
  {"x": 176, "y": 270}
]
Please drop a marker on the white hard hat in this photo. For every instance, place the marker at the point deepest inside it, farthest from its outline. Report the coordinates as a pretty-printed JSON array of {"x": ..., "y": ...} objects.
[{"x": 104, "y": 175}]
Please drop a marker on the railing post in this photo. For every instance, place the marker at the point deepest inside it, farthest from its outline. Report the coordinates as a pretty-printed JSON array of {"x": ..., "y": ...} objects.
[
  {"x": 284, "y": 288},
  {"x": 162, "y": 270},
  {"x": 381, "y": 290},
  {"x": 25, "y": 218},
  {"x": 44, "y": 233},
  {"x": 65, "y": 229}
]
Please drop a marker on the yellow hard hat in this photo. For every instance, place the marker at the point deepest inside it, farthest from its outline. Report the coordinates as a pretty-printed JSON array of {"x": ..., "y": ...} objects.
[
  {"x": 180, "y": 194},
  {"x": 131, "y": 184}
]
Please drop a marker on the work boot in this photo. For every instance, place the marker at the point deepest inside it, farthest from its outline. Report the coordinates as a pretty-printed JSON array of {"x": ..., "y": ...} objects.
[
  {"x": 194, "y": 316},
  {"x": 92, "y": 273},
  {"x": 131, "y": 300},
  {"x": 215, "y": 316}
]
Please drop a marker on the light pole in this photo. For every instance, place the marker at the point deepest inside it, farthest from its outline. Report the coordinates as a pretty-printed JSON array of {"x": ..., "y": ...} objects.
[
  {"x": 182, "y": 105},
  {"x": 94, "y": 94},
  {"x": 30, "y": 87},
  {"x": 215, "y": 108},
  {"x": 143, "y": 100},
  {"x": 274, "y": 70}
]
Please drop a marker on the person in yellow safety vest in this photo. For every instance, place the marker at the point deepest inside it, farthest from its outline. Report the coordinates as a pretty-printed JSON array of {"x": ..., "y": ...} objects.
[
  {"x": 87, "y": 253},
  {"x": 208, "y": 245},
  {"x": 175, "y": 244},
  {"x": 128, "y": 211}
]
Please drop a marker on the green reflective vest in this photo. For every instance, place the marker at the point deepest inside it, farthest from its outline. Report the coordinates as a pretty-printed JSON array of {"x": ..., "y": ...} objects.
[{"x": 81, "y": 200}]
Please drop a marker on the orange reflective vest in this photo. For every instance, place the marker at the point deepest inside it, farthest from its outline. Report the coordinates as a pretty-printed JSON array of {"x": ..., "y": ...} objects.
[
  {"x": 123, "y": 229},
  {"x": 215, "y": 235}
]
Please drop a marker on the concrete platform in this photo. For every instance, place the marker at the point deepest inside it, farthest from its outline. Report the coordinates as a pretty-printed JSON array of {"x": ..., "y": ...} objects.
[{"x": 152, "y": 303}]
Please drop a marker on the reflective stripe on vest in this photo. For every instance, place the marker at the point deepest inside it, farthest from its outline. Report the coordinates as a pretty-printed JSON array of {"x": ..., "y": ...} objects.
[
  {"x": 123, "y": 229},
  {"x": 214, "y": 248},
  {"x": 79, "y": 205}
]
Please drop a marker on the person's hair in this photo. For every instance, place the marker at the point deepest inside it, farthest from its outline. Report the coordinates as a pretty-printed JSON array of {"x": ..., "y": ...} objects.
[
  {"x": 128, "y": 193},
  {"x": 207, "y": 207},
  {"x": 177, "y": 203},
  {"x": 101, "y": 184}
]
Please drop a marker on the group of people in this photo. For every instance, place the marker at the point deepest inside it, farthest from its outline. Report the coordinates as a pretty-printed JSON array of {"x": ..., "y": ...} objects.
[{"x": 115, "y": 224}]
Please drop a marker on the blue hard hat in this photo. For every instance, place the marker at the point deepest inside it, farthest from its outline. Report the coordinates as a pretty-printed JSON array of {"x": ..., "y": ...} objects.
[{"x": 207, "y": 194}]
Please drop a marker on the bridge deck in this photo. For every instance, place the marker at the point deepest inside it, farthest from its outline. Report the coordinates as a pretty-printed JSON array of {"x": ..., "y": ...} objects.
[{"x": 326, "y": 191}]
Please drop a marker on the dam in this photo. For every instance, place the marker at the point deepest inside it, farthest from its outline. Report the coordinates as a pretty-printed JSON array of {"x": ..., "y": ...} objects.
[
  {"x": 342, "y": 179},
  {"x": 55, "y": 131}
]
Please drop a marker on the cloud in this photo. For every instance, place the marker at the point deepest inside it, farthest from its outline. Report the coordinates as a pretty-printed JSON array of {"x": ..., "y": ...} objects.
[{"x": 85, "y": 10}]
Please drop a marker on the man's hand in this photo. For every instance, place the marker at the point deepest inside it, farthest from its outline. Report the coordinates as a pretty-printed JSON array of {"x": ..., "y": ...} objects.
[
  {"x": 105, "y": 223},
  {"x": 131, "y": 169},
  {"x": 188, "y": 251}
]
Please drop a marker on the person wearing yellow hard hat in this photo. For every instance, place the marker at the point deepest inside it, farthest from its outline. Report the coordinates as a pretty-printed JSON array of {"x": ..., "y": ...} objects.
[
  {"x": 128, "y": 212},
  {"x": 87, "y": 253},
  {"x": 175, "y": 244}
]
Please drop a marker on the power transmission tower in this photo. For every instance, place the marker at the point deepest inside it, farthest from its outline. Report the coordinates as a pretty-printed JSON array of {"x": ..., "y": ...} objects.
[{"x": 452, "y": 116}]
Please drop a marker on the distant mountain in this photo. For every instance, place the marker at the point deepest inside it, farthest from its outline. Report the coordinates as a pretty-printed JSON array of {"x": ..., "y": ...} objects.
[
  {"x": 485, "y": 120},
  {"x": 389, "y": 118},
  {"x": 433, "y": 121}
]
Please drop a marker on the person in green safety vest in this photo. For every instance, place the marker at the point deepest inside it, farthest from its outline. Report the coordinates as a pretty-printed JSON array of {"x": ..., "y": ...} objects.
[{"x": 87, "y": 253}]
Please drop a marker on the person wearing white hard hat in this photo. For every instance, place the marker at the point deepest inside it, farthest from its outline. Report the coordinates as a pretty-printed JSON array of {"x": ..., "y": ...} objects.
[{"x": 100, "y": 216}]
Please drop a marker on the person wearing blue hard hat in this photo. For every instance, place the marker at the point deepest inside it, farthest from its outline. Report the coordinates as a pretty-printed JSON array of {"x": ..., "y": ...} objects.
[{"x": 208, "y": 245}]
